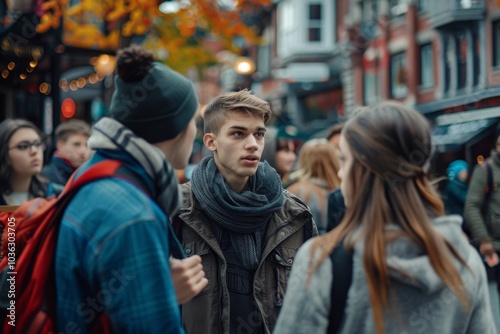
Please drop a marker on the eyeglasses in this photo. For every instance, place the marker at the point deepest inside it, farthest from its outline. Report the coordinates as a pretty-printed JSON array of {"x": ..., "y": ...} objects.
[{"x": 25, "y": 146}]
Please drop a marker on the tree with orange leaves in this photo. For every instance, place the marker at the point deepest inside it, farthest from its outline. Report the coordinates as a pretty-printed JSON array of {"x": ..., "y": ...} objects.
[{"x": 179, "y": 37}]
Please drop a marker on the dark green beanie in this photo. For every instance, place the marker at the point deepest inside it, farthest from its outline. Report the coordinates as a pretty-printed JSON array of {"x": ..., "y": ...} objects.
[{"x": 156, "y": 108}]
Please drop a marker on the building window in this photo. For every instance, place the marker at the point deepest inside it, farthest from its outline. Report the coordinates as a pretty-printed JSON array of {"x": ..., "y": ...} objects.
[
  {"x": 426, "y": 66},
  {"x": 448, "y": 63},
  {"x": 305, "y": 27},
  {"x": 398, "y": 75},
  {"x": 371, "y": 88},
  {"x": 496, "y": 43},
  {"x": 369, "y": 18},
  {"x": 314, "y": 26},
  {"x": 476, "y": 58},
  {"x": 462, "y": 48},
  {"x": 462, "y": 59}
]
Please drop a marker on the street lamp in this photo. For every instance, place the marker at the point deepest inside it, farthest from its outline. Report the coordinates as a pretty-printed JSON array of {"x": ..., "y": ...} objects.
[
  {"x": 104, "y": 65},
  {"x": 244, "y": 66},
  {"x": 235, "y": 70}
]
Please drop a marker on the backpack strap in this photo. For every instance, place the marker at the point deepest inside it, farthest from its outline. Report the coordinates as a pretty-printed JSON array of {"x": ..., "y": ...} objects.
[
  {"x": 342, "y": 278},
  {"x": 100, "y": 170},
  {"x": 103, "y": 169}
]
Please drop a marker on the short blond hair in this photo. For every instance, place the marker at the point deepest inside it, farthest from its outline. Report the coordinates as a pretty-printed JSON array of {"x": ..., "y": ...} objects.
[
  {"x": 72, "y": 127},
  {"x": 243, "y": 101}
]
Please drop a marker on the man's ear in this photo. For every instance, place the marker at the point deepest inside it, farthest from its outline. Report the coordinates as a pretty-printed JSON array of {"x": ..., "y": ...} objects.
[
  {"x": 209, "y": 141},
  {"x": 59, "y": 144}
]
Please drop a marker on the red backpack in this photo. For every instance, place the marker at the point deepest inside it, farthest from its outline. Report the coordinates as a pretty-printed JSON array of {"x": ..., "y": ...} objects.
[{"x": 29, "y": 239}]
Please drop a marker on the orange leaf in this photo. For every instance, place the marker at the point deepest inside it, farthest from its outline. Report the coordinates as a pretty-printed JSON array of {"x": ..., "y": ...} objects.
[
  {"x": 141, "y": 29},
  {"x": 43, "y": 27}
]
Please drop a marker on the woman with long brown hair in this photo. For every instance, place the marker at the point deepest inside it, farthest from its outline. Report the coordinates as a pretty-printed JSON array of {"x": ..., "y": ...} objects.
[{"x": 413, "y": 271}]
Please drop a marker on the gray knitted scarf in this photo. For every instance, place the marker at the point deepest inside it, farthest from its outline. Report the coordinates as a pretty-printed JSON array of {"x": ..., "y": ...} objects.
[
  {"x": 111, "y": 135},
  {"x": 240, "y": 214}
]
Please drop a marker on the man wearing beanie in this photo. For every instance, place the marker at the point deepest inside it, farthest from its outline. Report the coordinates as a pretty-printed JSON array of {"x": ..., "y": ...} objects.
[
  {"x": 237, "y": 217},
  {"x": 112, "y": 259}
]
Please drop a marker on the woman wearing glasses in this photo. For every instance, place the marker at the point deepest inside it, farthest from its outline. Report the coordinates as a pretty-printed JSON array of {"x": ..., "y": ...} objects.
[{"x": 21, "y": 160}]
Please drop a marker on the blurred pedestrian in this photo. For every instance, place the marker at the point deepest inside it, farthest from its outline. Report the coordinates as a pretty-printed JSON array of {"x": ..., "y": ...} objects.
[
  {"x": 280, "y": 153},
  {"x": 21, "y": 160},
  {"x": 456, "y": 187},
  {"x": 333, "y": 135},
  {"x": 238, "y": 218},
  {"x": 335, "y": 203},
  {"x": 115, "y": 240},
  {"x": 412, "y": 269},
  {"x": 482, "y": 214},
  {"x": 316, "y": 178},
  {"x": 71, "y": 153}
]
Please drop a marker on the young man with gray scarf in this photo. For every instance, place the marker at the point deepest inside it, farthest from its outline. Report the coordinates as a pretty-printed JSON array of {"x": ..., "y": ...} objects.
[{"x": 237, "y": 217}]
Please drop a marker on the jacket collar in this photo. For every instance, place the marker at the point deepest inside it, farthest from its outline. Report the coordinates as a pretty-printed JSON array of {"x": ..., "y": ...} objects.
[
  {"x": 289, "y": 219},
  {"x": 62, "y": 160}
]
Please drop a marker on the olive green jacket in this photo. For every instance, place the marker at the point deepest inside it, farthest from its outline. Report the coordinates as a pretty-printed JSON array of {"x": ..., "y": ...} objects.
[
  {"x": 483, "y": 218},
  {"x": 287, "y": 230}
]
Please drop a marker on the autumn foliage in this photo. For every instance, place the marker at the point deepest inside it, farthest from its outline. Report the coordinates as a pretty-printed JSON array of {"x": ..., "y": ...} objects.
[{"x": 178, "y": 38}]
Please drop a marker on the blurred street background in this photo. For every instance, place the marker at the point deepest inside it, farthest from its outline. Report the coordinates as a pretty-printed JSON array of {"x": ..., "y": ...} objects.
[{"x": 315, "y": 61}]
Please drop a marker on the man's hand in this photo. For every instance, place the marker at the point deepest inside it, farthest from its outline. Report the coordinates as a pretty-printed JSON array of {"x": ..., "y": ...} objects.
[
  {"x": 188, "y": 277},
  {"x": 486, "y": 248}
]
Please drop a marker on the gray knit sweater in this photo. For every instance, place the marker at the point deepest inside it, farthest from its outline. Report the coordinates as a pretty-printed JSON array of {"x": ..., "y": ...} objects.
[{"x": 419, "y": 305}]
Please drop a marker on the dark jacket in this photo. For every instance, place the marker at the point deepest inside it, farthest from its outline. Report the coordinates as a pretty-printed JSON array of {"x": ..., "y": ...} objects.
[
  {"x": 483, "y": 218},
  {"x": 58, "y": 171},
  {"x": 286, "y": 232},
  {"x": 336, "y": 209}
]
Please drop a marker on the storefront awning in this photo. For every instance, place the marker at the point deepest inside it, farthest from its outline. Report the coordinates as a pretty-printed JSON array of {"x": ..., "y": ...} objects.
[{"x": 452, "y": 137}]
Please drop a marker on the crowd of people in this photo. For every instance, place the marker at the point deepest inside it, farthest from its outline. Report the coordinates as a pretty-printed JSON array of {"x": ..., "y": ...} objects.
[{"x": 342, "y": 234}]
